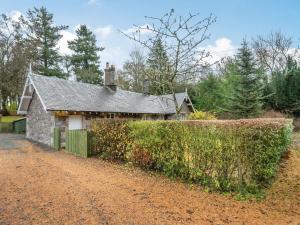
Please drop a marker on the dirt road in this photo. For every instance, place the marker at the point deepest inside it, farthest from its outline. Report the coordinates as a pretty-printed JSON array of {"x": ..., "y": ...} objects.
[{"x": 38, "y": 186}]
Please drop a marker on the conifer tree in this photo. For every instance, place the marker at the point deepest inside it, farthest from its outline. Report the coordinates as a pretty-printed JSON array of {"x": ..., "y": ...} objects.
[
  {"x": 43, "y": 35},
  {"x": 246, "y": 101},
  {"x": 85, "y": 59},
  {"x": 157, "y": 68}
]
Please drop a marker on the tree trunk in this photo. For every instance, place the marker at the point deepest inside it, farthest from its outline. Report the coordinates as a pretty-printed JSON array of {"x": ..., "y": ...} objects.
[{"x": 4, "y": 107}]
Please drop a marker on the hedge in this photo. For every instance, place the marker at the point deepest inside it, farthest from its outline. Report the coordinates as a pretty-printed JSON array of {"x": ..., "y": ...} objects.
[
  {"x": 224, "y": 155},
  {"x": 6, "y": 127}
]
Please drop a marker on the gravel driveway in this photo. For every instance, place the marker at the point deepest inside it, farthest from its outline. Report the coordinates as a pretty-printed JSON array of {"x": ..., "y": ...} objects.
[{"x": 47, "y": 187}]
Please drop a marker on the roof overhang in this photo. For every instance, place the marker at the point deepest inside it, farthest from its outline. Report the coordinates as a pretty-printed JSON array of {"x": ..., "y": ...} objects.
[{"x": 29, "y": 89}]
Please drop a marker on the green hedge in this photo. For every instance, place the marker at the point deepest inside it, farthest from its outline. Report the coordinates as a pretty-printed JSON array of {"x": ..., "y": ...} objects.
[
  {"x": 6, "y": 127},
  {"x": 110, "y": 138},
  {"x": 224, "y": 155}
]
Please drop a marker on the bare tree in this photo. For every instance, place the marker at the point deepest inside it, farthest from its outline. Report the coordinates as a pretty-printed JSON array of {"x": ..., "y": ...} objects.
[
  {"x": 182, "y": 38},
  {"x": 273, "y": 51},
  {"x": 134, "y": 71}
]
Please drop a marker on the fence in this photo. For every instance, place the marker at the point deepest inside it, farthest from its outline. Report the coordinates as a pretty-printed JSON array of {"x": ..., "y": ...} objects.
[
  {"x": 56, "y": 138},
  {"x": 78, "y": 142},
  {"x": 19, "y": 126}
]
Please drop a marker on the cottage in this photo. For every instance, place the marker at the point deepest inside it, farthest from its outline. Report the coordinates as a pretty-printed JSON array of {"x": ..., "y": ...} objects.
[{"x": 50, "y": 102}]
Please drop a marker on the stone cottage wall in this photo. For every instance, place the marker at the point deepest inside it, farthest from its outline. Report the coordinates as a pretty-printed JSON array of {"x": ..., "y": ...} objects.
[{"x": 39, "y": 122}]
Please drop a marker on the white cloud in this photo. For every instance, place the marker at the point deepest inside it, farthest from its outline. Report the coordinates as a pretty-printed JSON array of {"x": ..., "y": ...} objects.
[
  {"x": 222, "y": 48},
  {"x": 104, "y": 32},
  {"x": 144, "y": 29},
  {"x": 91, "y": 2},
  {"x": 63, "y": 42}
]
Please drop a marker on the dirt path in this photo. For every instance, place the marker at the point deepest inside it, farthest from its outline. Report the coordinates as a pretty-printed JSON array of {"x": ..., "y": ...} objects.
[{"x": 45, "y": 187}]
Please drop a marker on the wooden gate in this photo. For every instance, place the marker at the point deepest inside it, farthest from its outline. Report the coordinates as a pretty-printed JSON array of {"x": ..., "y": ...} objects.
[{"x": 77, "y": 142}]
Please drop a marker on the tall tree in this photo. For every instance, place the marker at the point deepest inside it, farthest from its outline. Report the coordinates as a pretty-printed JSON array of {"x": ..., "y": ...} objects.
[
  {"x": 286, "y": 88},
  {"x": 246, "y": 101},
  {"x": 272, "y": 51},
  {"x": 44, "y": 36},
  {"x": 158, "y": 67},
  {"x": 212, "y": 92},
  {"x": 133, "y": 73},
  {"x": 85, "y": 58},
  {"x": 182, "y": 37},
  {"x": 14, "y": 60}
]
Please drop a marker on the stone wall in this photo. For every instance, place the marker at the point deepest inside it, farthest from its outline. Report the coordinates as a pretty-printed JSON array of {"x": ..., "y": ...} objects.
[{"x": 39, "y": 122}]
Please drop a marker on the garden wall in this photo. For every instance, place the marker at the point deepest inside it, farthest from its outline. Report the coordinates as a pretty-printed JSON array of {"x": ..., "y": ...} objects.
[{"x": 224, "y": 155}]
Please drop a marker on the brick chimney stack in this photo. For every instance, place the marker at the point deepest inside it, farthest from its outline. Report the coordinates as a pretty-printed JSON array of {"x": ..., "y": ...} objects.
[{"x": 109, "y": 77}]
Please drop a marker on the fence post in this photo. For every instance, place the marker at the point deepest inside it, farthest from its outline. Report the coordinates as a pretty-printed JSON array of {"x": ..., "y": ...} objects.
[{"x": 56, "y": 138}]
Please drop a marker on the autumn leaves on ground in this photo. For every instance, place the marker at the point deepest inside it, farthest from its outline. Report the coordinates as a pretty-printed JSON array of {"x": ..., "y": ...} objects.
[{"x": 39, "y": 186}]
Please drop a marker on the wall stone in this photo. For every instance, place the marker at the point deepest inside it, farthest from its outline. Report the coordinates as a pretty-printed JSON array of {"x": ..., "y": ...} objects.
[{"x": 39, "y": 122}]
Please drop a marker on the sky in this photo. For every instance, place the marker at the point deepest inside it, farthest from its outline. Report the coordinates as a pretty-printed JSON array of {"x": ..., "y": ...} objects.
[{"x": 236, "y": 19}]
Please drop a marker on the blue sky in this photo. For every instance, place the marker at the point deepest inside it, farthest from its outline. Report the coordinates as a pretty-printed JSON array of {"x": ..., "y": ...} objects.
[{"x": 236, "y": 19}]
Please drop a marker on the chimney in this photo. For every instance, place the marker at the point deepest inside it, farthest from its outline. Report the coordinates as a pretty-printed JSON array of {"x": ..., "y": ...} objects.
[
  {"x": 146, "y": 87},
  {"x": 109, "y": 77}
]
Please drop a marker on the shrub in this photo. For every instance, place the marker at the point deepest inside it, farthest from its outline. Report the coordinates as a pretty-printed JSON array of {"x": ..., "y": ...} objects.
[
  {"x": 110, "y": 138},
  {"x": 200, "y": 115},
  {"x": 236, "y": 155}
]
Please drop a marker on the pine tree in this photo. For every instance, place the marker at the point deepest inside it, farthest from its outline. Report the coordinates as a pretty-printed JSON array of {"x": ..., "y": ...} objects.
[
  {"x": 44, "y": 37},
  {"x": 286, "y": 88},
  {"x": 85, "y": 59},
  {"x": 246, "y": 101},
  {"x": 158, "y": 68}
]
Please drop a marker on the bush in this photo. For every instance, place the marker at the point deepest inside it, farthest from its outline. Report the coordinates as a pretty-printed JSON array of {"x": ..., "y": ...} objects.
[
  {"x": 200, "y": 115},
  {"x": 110, "y": 138},
  {"x": 234, "y": 155}
]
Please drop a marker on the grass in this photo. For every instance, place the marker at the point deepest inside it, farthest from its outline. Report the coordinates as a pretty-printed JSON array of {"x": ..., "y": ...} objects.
[{"x": 9, "y": 119}]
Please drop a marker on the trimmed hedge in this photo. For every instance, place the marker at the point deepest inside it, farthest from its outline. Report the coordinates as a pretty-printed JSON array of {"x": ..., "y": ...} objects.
[
  {"x": 110, "y": 138},
  {"x": 224, "y": 155},
  {"x": 6, "y": 127}
]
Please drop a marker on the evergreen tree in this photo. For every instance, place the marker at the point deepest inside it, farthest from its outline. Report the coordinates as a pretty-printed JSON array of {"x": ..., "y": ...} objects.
[
  {"x": 211, "y": 92},
  {"x": 286, "y": 88},
  {"x": 246, "y": 101},
  {"x": 158, "y": 68},
  {"x": 85, "y": 59},
  {"x": 44, "y": 36}
]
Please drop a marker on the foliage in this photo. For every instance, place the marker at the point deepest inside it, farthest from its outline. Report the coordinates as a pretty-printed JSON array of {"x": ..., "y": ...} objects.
[
  {"x": 14, "y": 59},
  {"x": 44, "y": 37},
  {"x": 285, "y": 87},
  {"x": 85, "y": 60},
  {"x": 133, "y": 74},
  {"x": 158, "y": 67},
  {"x": 237, "y": 155},
  {"x": 180, "y": 39},
  {"x": 200, "y": 115},
  {"x": 110, "y": 138},
  {"x": 208, "y": 94},
  {"x": 247, "y": 98}
]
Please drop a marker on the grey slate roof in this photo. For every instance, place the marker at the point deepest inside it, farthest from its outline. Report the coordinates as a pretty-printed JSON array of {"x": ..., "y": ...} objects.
[{"x": 59, "y": 94}]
